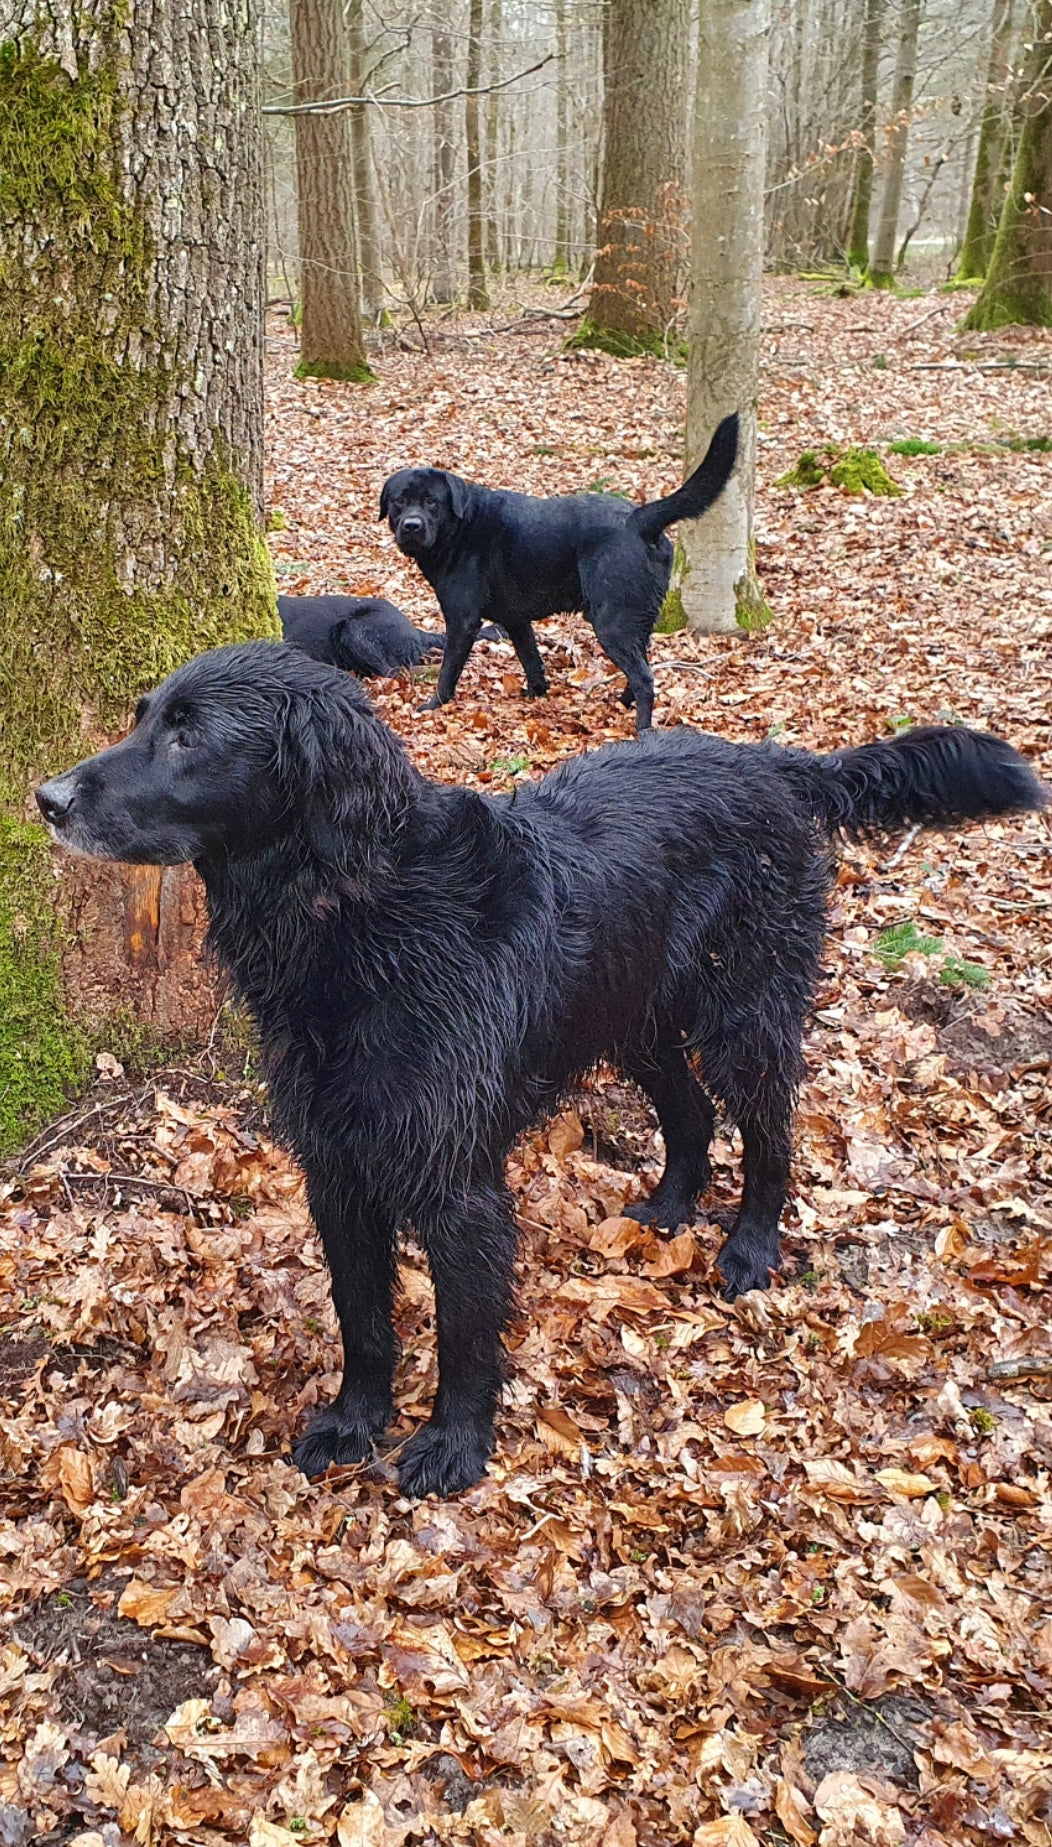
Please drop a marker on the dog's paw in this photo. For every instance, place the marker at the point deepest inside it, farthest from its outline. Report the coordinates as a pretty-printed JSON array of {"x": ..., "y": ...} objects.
[
  {"x": 432, "y": 704},
  {"x": 665, "y": 1215},
  {"x": 444, "y": 1459},
  {"x": 537, "y": 692},
  {"x": 745, "y": 1266},
  {"x": 335, "y": 1436}
]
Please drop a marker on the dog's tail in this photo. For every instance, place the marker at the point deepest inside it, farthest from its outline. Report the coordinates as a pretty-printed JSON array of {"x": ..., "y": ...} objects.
[
  {"x": 932, "y": 776},
  {"x": 699, "y": 490}
]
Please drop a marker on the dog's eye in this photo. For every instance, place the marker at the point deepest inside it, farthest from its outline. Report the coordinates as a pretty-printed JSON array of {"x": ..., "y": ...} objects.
[{"x": 182, "y": 740}]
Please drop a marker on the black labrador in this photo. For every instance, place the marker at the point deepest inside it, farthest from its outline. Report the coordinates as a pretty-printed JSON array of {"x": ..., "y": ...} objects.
[
  {"x": 363, "y": 634},
  {"x": 514, "y": 559},
  {"x": 431, "y": 968}
]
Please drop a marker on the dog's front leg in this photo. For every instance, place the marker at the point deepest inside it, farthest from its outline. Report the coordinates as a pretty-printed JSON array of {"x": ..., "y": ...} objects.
[
  {"x": 470, "y": 1245},
  {"x": 461, "y": 630},
  {"x": 360, "y": 1250}
]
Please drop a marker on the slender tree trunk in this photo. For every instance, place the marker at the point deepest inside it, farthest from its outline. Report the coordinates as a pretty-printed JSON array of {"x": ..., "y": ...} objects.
[
  {"x": 444, "y": 286},
  {"x": 331, "y": 344},
  {"x": 370, "y": 252},
  {"x": 131, "y": 342},
  {"x": 862, "y": 194},
  {"x": 561, "y": 257},
  {"x": 715, "y": 586},
  {"x": 478, "y": 296},
  {"x": 1018, "y": 286},
  {"x": 987, "y": 195},
  {"x": 493, "y": 242},
  {"x": 635, "y": 293},
  {"x": 882, "y": 269}
]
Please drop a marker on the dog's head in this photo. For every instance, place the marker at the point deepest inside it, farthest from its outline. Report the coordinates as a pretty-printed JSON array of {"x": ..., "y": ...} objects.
[
  {"x": 423, "y": 507},
  {"x": 243, "y": 748}
]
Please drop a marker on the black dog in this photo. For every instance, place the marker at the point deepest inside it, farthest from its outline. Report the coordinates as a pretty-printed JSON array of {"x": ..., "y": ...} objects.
[
  {"x": 430, "y": 968},
  {"x": 364, "y": 634},
  {"x": 516, "y": 559}
]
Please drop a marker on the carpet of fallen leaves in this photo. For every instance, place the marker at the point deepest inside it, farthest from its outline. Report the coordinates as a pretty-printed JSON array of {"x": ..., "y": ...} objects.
[{"x": 777, "y": 1572}]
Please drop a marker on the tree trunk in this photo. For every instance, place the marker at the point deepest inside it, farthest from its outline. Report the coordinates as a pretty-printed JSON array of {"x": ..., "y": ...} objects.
[
  {"x": 478, "y": 296},
  {"x": 882, "y": 270},
  {"x": 858, "y": 236},
  {"x": 561, "y": 255},
  {"x": 331, "y": 344},
  {"x": 987, "y": 194},
  {"x": 493, "y": 244},
  {"x": 1018, "y": 285},
  {"x": 715, "y": 587},
  {"x": 369, "y": 247},
  {"x": 443, "y": 285},
  {"x": 131, "y": 339},
  {"x": 635, "y": 295}
]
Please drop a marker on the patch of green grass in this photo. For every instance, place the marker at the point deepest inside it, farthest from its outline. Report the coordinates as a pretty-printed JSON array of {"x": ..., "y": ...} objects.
[
  {"x": 510, "y": 766},
  {"x": 601, "y": 485},
  {"x": 880, "y": 362},
  {"x": 901, "y": 940},
  {"x": 956, "y": 973},
  {"x": 914, "y": 445},
  {"x": 983, "y": 1421},
  {"x": 1026, "y": 445},
  {"x": 900, "y": 722}
]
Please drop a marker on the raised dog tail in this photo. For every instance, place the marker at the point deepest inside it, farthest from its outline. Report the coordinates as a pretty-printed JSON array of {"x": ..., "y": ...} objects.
[
  {"x": 932, "y": 776},
  {"x": 699, "y": 490}
]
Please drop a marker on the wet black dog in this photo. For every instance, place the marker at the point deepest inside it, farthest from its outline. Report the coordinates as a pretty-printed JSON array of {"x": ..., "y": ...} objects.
[
  {"x": 513, "y": 559},
  {"x": 430, "y": 968},
  {"x": 363, "y": 634}
]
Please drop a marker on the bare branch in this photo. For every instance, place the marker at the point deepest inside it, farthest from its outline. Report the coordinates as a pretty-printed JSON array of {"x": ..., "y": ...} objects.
[{"x": 401, "y": 102}]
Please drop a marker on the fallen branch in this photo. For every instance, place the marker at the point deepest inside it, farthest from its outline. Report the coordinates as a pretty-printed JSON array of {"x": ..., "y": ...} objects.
[
  {"x": 904, "y": 846},
  {"x": 1031, "y": 1366},
  {"x": 969, "y": 365}
]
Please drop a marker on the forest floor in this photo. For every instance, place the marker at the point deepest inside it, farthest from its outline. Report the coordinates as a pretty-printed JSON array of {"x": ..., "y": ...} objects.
[{"x": 774, "y": 1572}]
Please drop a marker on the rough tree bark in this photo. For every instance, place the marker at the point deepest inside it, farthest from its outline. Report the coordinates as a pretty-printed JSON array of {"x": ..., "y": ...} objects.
[
  {"x": 443, "y": 280},
  {"x": 478, "y": 296},
  {"x": 862, "y": 193},
  {"x": 987, "y": 196},
  {"x": 637, "y": 265},
  {"x": 131, "y": 311},
  {"x": 715, "y": 587},
  {"x": 882, "y": 269},
  {"x": 1018, "y": 286},
  {"x": 370, "y": 250},
  {"x": 561, "y": 254},
  {"x": 331, "y": 344}
]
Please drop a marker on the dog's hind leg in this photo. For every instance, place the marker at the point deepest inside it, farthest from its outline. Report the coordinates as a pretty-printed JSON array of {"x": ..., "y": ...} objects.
[
  {"x": 360, "y": 1250},
  {"x": 625, "y": 648},
  {"x": 470, "y": 1242},
  {"x": 751, "y": 1251},
  {"x": 687, "y": 1122}
]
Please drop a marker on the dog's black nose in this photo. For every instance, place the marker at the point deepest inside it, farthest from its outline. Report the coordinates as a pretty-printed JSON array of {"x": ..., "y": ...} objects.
[
  {"x": 55, "y": 799},
  {"x": 411, "y": 526}
]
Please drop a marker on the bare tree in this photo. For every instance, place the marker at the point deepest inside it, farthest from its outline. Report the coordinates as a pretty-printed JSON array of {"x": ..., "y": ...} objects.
[
  {"x": 493, "y": 242},
  {"x": 635, "y": 295},
  {"x": 990, "y": 159},
  {"x": 444, "y": 283},
  {"x": 882, "y": 268},
  {"x": 1018, "y": 284},
  {"x": 331, "y": 344},
  {"x": 862, "y": 193},
  {"x": 715, "y": 575},
  {"x": 561, "y": 255},
  {"x": 478, "y": 296},
  {"x": 370, "y": 254},
  {"x": 131, "y": 475}
]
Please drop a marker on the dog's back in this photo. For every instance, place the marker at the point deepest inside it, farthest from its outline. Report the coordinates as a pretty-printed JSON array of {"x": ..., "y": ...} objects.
[{"x": 363, "y": 634}]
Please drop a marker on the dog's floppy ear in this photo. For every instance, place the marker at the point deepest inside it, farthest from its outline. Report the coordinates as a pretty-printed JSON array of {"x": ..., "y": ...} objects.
[
  {"x": 346, "y": 778},
  {"x": 385, "y": 499},
  {"x": 458, "y": 493}
]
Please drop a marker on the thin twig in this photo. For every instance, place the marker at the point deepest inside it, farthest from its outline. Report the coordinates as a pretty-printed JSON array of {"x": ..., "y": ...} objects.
[
  {"x": 400, "y": 102},
  {"x": 1030, "y": 1366},
  {"x": 904, "y": 846}
]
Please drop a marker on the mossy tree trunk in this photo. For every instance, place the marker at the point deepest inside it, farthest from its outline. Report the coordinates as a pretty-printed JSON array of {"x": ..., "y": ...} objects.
[
  {"x": 131, "y": 324},
  {"x": 882, "y": 269},
  {"x": 561, "y": 254},
  {"x": 862, "y": 192},
  {"x": 987, "y": 194},
  {"x": 331, "y": 343},
  {"x": 478, "y": 296},
  {"x": 715, "y": 586},
  {"x": 370, "y": 249},
  {"x": 635, "y": 295},
  {"x": 1018, "y": 286}
]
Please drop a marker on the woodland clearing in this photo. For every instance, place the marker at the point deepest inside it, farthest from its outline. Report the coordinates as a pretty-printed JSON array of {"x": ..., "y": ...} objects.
[{"x": 776, "y": 1571}]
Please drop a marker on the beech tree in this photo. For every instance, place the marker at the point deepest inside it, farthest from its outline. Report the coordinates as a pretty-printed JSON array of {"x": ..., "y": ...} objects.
[
  {"x": 862, "y": 191},
  {"x": 130, "y": 467},
  {"x": 477, "y": 293},
  {"x": 883, "y": 267},
  {"x": 715, "y": 585},
  {"x": 1018, "y": 284},
  {"x": 637, "y": 265},
  {"x": 987, "y": 193},
  {"x": 331, "y": 343}
]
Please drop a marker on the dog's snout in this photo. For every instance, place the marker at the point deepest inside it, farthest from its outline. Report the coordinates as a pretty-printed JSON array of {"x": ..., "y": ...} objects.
[
  {"x": 55, "y": 799},
  {"x": 412, "y": 525}
]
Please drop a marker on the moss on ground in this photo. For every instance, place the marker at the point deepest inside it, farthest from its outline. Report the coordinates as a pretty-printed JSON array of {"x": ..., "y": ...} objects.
[
  {"x": 807, "y": 472},
  {"x": 854, "y": 471},
  {"x": 357, "y": 374},
  {"x": 591, "y": 336}
]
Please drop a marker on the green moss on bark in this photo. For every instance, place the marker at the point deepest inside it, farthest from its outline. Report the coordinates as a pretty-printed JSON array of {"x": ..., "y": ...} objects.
[
  {"x": 357, "y": 374},
  {"x": 593, "y": 336},
  {"x": 43, "y": 1054}
]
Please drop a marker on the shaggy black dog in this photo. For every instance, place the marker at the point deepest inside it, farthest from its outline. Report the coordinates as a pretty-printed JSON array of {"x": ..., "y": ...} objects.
[
  {"x": 364, "y": 634},
  {"x": 430, "y": 969},
  {"x": 514, "y": 559}
]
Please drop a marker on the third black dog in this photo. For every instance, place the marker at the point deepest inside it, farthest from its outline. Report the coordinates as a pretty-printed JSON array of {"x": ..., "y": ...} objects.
[
  {"x": 363, "y": 634},
  {"x": 430, "y": 969},
  {"x": 514, "y": 559}
]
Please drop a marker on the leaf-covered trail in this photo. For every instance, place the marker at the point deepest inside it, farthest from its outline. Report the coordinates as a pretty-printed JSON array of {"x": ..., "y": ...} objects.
[{"x": 777, "y": 1572}]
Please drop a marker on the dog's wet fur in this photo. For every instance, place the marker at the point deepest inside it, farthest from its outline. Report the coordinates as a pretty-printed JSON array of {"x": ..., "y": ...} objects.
[{"x": 430, "y": 969}]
